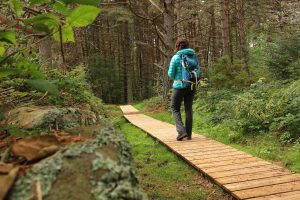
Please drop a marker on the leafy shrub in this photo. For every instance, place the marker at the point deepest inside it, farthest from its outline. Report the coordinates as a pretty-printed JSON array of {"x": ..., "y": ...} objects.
[
  {"x": 284, "y": 60},
  {"x": 264, "y": 108},
  {"x": 43, "y": 86},
  {"x": 225, "y": 74},
  {"x": 74, "y": 90}
]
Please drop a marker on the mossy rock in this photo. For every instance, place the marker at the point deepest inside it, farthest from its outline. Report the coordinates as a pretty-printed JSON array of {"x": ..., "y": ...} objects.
[
  {"x": 49, "y": 117},
  {"x": 95, "y": 169}
]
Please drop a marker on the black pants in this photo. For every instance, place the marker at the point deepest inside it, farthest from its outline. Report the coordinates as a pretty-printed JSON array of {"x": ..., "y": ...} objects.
[{"x": 187, "y": 95}]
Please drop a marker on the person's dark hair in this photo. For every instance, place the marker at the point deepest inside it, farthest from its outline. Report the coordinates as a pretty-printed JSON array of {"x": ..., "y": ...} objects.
[{"x": 181, "y": 44}]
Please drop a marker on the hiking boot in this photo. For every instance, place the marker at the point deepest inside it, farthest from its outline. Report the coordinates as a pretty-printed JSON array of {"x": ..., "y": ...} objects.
[{"x": 181, "y": 136}]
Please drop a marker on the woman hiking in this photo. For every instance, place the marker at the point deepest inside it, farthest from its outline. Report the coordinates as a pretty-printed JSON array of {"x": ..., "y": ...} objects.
[{"x": 183, "y": 88}]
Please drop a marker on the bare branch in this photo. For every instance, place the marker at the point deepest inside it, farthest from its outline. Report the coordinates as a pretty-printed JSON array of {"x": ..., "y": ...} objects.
[
  {"x": 159, "y": 66},
  {"x": 156, "y": 6},
  {"x": 182, "y": 20},
  {"x": 161, "y": 36},
  {"x": 180, "y": 34},
  {"x": 162, "y": 51}
]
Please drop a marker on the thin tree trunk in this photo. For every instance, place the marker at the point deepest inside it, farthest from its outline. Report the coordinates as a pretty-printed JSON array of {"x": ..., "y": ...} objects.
[
  {"x": 169, "y": 41},
  {"x": 46, "y": 52},
  {"x": 242, "y": 33},
  {"x": 226, "y": 28}
]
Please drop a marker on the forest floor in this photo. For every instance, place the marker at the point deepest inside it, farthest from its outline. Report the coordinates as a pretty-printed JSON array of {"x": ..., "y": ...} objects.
[{"x": 162, "y": 174}]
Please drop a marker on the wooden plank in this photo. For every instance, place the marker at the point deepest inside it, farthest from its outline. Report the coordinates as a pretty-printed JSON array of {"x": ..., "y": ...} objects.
[
  {"x": 235, "y": 166},
  {"x": 244, "y": 171},
  {"x": 212, "y": 152},
  {"x": 200, "y": 149},
  {"x": 233, "y": 161},
  {"x": 252, "y": 176},
  {"x": 128, "y": 109},
  {"x": 191, "y": 158},
  {"x": 215, "y": 153},
  {"x": 294, "y": 195},
  {"x": 268, "y": 190},
  {"x": 209, "y": 161},
  {"x": 263, "y": 182},
  {"x": 198, "y": 142},
  {"x": 192, "y": 146}
]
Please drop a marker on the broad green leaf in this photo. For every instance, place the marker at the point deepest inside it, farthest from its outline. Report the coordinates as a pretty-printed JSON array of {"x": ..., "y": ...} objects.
[
  {"x": 17, "y": 7},
  {"x": 33, "y": 2},
  {"x": 60, "y": 7},
  {"x": 2, "y": 50},
  {"x": 8, "y": 37},
  {"x": 43, "y": 22},
  {"x": 67, "y": 34},
  {"x": 84, "y": 2},
  {"x": 83, "y": 16}
]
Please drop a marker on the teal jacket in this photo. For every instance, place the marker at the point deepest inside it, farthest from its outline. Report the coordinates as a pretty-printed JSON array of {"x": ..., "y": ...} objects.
[{"x": 175, "y": 68}]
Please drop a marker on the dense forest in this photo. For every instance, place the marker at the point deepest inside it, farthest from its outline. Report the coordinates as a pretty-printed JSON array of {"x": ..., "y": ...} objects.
[
  {"x": 123, "y": 51},
  {"x": 87, "y": 53}
]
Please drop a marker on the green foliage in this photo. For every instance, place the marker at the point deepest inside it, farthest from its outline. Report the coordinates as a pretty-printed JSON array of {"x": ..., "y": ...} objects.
[
  {"x": 58, "y": 22},
  {"x": 67, "y": 34},
  {"x": 60, "y": 7},
  {"x": 44, "y": 22},
  {"x": 82, "y": 16},
  {"x": 284, "y": 61},
  {"x": 34, "y": 2},
  {"x": 17, "y": 7},
  {"x": 87, "y": 2},
  {"x": 21, "y": 67},
  {"x": 8, "y": 37},
  {"x": 229, "y": 75},
  {"x": 43, "y": 86},
  {"x": 74, "y": 90},
  {"x": 2, "y": 116},
  {"x": 272, "y": 107},
  {"x": 153, "y": 104},
  {"x": 105, "y": 81},
  {"x": 17, "y": 131}
]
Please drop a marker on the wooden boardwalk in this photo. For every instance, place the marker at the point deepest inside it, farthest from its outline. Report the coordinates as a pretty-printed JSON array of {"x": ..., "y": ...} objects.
[{"x": 242, "y": 175}]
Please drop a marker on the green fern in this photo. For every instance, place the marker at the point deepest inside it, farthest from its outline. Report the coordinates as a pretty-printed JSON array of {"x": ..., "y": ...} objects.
[{"x": 43, "y": 86}]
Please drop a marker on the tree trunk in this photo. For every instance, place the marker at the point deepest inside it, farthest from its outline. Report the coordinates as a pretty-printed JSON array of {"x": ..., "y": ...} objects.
[
  {"x": 179, "y": 29},
  {"x": 127, "y": 63},
  {"x": 242, "y": 33},
  {"x": 226, "y": 28},
  {"x": 213, "y": 33},
  {"x": 169, "y": 42},
  {"x": 46, "y": 52}
]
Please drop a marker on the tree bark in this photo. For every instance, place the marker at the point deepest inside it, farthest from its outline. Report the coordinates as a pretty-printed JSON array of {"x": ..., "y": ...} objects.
[
  {"x": 169, "y": 42},
  {"x": 45, "y": 50},
  {"x": 226, "y": 28},
  {"x": 242, "y": 33}
]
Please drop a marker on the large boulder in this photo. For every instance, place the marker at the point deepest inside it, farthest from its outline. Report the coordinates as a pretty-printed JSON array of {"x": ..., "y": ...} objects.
[
  {"x": 49, "y": 117},
  {"x": 100, "y": 168}
]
